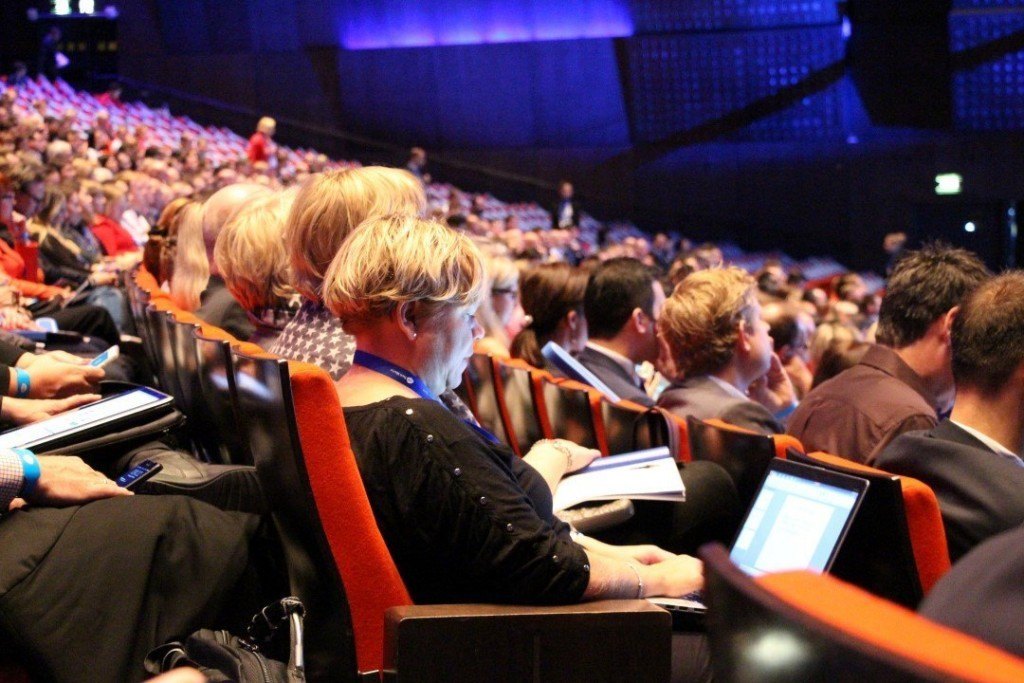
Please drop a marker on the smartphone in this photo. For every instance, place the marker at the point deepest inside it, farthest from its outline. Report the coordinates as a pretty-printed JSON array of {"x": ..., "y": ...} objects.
[
  {"x": 138, "y": 474},
  {"x": 105, "y": 357}
]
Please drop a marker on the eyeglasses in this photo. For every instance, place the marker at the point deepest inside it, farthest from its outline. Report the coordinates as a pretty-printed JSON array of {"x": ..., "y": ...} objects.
[{"x": 506, "y": 291}]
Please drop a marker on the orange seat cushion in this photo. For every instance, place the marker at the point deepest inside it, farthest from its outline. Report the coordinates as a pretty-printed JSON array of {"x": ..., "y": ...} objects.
[
  {"x": 883, "y": 625},
  {"x": 924, "y": 520}
]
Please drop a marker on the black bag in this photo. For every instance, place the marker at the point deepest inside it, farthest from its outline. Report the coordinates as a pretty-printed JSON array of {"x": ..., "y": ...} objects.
[{"x": 223, "y": 657}]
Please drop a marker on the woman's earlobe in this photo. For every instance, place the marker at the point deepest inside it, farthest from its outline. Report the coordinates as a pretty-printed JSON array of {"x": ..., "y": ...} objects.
[{"x": 406, "y": 319}]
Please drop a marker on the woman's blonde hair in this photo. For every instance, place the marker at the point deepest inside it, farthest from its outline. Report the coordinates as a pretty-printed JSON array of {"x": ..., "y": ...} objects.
[
  {"x": 330, "y": 205},
  {"x": 251, "y": 255},
  {"x": 390, "y": 260},
  {"x": 501, "y": 273},
  {"x": 191, "y": 267},
  {"x": 700, "y": 321}
]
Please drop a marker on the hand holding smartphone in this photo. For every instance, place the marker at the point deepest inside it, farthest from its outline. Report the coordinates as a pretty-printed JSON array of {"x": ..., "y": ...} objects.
[{"x": 106, "y": 357}]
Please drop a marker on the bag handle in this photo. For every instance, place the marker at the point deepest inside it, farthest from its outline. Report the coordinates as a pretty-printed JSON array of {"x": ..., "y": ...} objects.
[{"x": 266, "y": 622}]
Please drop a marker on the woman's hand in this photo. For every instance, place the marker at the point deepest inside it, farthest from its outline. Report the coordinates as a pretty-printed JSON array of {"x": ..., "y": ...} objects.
[
  {"x": 554, "y": 458},
  {"x": 644, "y": 554},
  {"x": 575, "y": 457},
  {"x": 672, "y": 578}
]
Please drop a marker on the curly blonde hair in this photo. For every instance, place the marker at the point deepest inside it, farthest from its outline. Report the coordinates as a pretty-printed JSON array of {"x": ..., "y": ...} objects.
[
  {"x": 251, "y": 255},
  {"x": 389, "y": 260},
  {"x": 330, "y": 205},
  {"x": 701, "y": 320}
]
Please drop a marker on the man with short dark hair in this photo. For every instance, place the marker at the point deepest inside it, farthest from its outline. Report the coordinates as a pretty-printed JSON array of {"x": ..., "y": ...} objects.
[
  {"x": 971, "y": 460},
  {"x": 622, "y": 303},
  {"x": 905, "y": 381}
]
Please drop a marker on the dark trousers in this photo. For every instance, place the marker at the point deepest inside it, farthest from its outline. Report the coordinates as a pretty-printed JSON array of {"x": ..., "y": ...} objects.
[
  {"x": 92, "y": 321},
  {"x": 87, "y": 591}
]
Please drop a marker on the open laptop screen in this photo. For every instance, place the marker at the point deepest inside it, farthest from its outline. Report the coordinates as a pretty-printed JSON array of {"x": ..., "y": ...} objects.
[{"x": 797, "y": 520}]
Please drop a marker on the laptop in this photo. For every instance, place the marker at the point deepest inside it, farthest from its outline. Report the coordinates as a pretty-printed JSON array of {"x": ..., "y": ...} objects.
[{"x": 798, "y": 520}]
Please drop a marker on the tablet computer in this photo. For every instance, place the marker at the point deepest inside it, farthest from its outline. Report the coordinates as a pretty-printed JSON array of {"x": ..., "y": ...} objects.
[{"x": 112, "y": 414}]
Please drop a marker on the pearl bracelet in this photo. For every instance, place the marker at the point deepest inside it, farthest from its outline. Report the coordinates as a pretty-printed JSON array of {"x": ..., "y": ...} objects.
[{"x": 561, "y": 447}]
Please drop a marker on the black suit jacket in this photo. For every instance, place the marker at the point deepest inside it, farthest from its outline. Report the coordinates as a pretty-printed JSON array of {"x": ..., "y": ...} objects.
[
  {"x": 615, "y": 376},
  {"x": 577, "y": 213},
  {"x": 980, "y": 492},
  {"x": 982, "y": 595},
  {"x": 703, "y": 398}
]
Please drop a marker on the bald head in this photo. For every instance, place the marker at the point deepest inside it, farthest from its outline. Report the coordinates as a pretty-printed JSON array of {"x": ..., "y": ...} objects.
[{"x": 219, "y": 209}]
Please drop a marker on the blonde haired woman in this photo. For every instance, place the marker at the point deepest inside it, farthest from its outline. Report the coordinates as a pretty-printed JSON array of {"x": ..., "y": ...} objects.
[
  {"x": 498, "y": 305},
  {"x": 254, "y": 264},
  {"x": 464, "y": 518},
  {"x": 408, "y": 290},
  {"x": 191, "y": 267},
  {"x": 326, "y": 209}
]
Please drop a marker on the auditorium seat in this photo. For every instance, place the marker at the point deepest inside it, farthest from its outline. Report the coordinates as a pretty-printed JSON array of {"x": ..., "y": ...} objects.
[
  {"x": 520, "y": 403},
  {"x": 794, "y": 627},
  {"x": 478, "y": 392},
  {"x": 573, "y": 412},
  {"x": 160, "y": 318},
  {"x": 359, "y": 614},
  {"x": 743, "y": 453},
  {"x": 217, "y": 383},
  {"x": 897, "y": 544},
  {"x": 630, "y": 426}
]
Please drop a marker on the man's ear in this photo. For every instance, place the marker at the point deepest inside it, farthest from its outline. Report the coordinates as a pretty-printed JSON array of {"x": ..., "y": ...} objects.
[
  {"x": 572, "y": 319},
  {"x": 404, "y": 315},
  {"x": 742, "y": 339},
  {"x": 947, "y": 323},
  {"x": 642, "y": 322}
]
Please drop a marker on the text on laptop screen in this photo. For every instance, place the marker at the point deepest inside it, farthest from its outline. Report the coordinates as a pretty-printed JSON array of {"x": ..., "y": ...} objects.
[{"x": 793, "y": 524}]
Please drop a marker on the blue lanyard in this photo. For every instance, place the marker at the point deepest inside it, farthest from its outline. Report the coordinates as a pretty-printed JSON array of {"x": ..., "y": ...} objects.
[
  {"x": 411, "y": 380},
  {"x": 399, "y": 374}
]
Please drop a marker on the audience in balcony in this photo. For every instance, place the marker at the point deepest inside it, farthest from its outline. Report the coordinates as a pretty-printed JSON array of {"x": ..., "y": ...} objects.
[{"x": 403, "y": 290}]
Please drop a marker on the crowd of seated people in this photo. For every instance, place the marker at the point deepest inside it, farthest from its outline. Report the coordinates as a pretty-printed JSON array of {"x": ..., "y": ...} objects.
[{"x": 390, "y": 285}]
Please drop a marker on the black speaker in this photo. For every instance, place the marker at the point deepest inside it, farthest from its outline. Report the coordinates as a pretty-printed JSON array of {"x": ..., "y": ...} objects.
[{"x": 899, "y": 59}]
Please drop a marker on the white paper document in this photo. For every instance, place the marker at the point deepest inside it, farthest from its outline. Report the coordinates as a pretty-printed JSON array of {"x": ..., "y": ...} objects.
[{"x": 649, "y": 474}]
